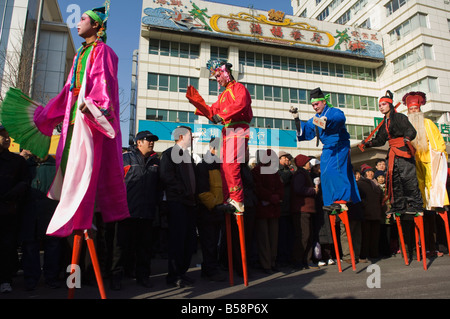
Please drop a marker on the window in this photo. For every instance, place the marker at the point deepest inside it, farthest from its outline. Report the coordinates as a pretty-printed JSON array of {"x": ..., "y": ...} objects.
[
  {"x": 394, "y": 5},
  {"x": 419, "y": 20},
  {"x": 174, "y": 49},
  {"x": 172, "y": 83},
  {"x": 424, "y": 51},
  {"x": 219, "y": 53}
]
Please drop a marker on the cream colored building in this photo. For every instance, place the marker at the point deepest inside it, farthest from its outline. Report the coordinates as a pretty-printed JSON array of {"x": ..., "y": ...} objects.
[
  {"x": 280, "y": 58},
  {"x": 416, "y": 40}
]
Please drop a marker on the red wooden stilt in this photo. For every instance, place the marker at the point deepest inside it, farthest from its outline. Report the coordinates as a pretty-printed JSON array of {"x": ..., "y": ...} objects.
[
  {"x": 444, "y": 216},
  {"x": 344, "y": 218},
  {"x": 402, "y": 240},
  {"x": 98, "y": 274},
  {"x": 75, "y": 257},
  {"x": 418, "y": 220},
  {"x": 240, "y": 223},
  {"x": 336, "y": 245},
  {"x": 229, "y": 248},
  {"x": 418, "y": 238}
]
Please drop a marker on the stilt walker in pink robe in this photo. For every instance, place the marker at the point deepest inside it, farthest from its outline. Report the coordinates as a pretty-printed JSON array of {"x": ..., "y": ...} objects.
[{"x": 89, "y": 155}]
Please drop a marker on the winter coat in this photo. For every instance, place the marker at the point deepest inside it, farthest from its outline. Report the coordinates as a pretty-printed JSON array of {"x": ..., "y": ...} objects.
[
  {"x": 270, "y": 191},
  {"x": 302, "y": 192},
  {"x": 143, "y": 183},
  {"x": 176, "y": 181},
  {"x": 371, "y": 198}
]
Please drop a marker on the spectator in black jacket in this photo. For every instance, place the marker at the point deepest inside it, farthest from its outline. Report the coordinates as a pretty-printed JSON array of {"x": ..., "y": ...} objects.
[
  {"x": 179, "y": 184},
  {"x": 14, "y": 184},
  {"x": 133, "y": 235}
]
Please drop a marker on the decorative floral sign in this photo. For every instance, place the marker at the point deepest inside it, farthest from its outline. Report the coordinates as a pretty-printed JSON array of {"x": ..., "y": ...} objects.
[{"x": 270, "y": 27}]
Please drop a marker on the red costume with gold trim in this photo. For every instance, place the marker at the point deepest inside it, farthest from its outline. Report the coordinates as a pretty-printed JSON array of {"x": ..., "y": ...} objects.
[{"x": 235, "y": 111}]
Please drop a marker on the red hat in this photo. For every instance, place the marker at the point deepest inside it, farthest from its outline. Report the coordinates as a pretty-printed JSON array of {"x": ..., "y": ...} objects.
[
  {"x": 414, "y": 99},
  {"x": 301, "y": 160},
  {"x": 365, "y": 167}
]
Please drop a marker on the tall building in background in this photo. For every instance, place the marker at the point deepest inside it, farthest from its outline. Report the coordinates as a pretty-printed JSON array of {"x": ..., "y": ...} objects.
[
  {"x": 416, "y": 38},
  {"x": 36, "y": 49},
  {"x": 280, "y": 59}
]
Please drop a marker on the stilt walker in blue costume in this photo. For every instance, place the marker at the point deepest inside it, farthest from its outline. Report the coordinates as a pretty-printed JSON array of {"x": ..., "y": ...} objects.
[{"x": 338, "y": 182}]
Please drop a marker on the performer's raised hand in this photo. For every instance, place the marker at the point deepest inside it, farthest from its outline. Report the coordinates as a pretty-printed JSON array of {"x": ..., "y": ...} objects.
[
  {"x": 294, "y": 112},
  {"x": 84, "y": 109}
]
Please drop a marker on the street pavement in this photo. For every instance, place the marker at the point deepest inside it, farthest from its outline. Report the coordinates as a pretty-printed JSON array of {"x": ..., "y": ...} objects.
[{"x": 386, "y": 278}]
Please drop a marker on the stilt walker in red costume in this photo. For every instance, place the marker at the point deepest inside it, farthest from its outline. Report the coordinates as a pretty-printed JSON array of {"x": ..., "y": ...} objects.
[{"x": 233, "y": 110}]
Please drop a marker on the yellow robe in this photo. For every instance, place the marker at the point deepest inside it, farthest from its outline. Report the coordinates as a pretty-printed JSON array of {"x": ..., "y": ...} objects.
[{"x": 425, "y": 172}]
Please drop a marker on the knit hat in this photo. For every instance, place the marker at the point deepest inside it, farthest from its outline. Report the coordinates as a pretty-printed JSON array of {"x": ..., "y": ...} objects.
[
  {"x": 301, "y": 160},
  {"x": 365, "y": 167},
  {"x": 379, "y": 173}
]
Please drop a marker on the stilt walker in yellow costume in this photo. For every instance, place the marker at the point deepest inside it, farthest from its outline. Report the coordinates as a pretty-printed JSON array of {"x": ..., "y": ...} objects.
[{"x": 431, "y": 161}]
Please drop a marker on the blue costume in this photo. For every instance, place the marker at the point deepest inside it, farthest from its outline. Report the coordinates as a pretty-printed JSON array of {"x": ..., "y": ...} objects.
[{"x": 337, "y": 179}]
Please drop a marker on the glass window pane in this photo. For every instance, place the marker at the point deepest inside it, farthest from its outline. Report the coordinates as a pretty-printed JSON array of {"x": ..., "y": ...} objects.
[
  {"x": 174, "y": 49},
  {"x": 183, "y": 117},
  {"x": 193, "y": 82},
  {"x": 276, "y": 62},
  {"x": 339, "y": 70},
  {"x": 154, "y": 46},
  {"x": 260, "y": 122},
  {"x": 292, "y": 64},
  {"x": 284, "y": 63},
  {"x": 183, "y": 84},
  {"x": 278, "y": 123},
  {"x": 302, "y": 96},
  {"x": 163, "y": 82},
  {"x": 259, "y": 92},
  {"x": 192, "y": 117},
  {"x": 165, "y": 48},
  {"x": 341, "y": 100},
  {"x": 172, "y": 116},
  {"x": 324, "y": 68},
  {"x": 162, "y": 115},
  {"x": 152, "y": 81},
  {"x": 285, "y": 92},
  {"x": 301, "y": 67},
  {"x": 173, "y": 83},
  {"x": 269, "y": 123},
  {"x": 258, "y": 58},
  {"x": 195, "y": 51},
  {"x": 308, "y": 66},
  {"x": 250, "y": 59},
  {"x": 316, "y": 67},
  {"x": 184, "y": 50},
  {"x": 242, "y": 57},
  {"x": 277, "y": 94},
  {"x": 150, "y": 114},
  {"x": 268, "y": 95},
  {"x": 267, "y": 61},
  {"x": 251, "y": 90},
  {"x": 293, "y": 94}
]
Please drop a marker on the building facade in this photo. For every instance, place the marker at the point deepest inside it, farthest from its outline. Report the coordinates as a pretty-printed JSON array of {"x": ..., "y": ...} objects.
[
  {"x": 278, "y": 57},
  {"x": 36, "y": 49}
]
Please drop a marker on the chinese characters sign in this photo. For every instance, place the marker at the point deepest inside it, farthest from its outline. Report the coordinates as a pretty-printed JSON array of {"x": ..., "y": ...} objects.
[{"x": 260, "y": 26}]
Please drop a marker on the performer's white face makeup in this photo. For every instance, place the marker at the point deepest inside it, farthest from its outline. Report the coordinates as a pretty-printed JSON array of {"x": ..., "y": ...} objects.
[
  {"x": 85, "y": 29},
  {"x": 319, "y": 106},
  {"x": 384, "y": 107},
  {"x": 222, "y": 78}
]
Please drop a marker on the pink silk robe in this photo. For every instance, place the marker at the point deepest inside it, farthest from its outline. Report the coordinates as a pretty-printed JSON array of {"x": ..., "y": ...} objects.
[{"x": 94, "y": 173}]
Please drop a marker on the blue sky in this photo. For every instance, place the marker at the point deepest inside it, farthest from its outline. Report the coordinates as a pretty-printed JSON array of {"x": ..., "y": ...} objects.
[{"x": 124, "y": 30}]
